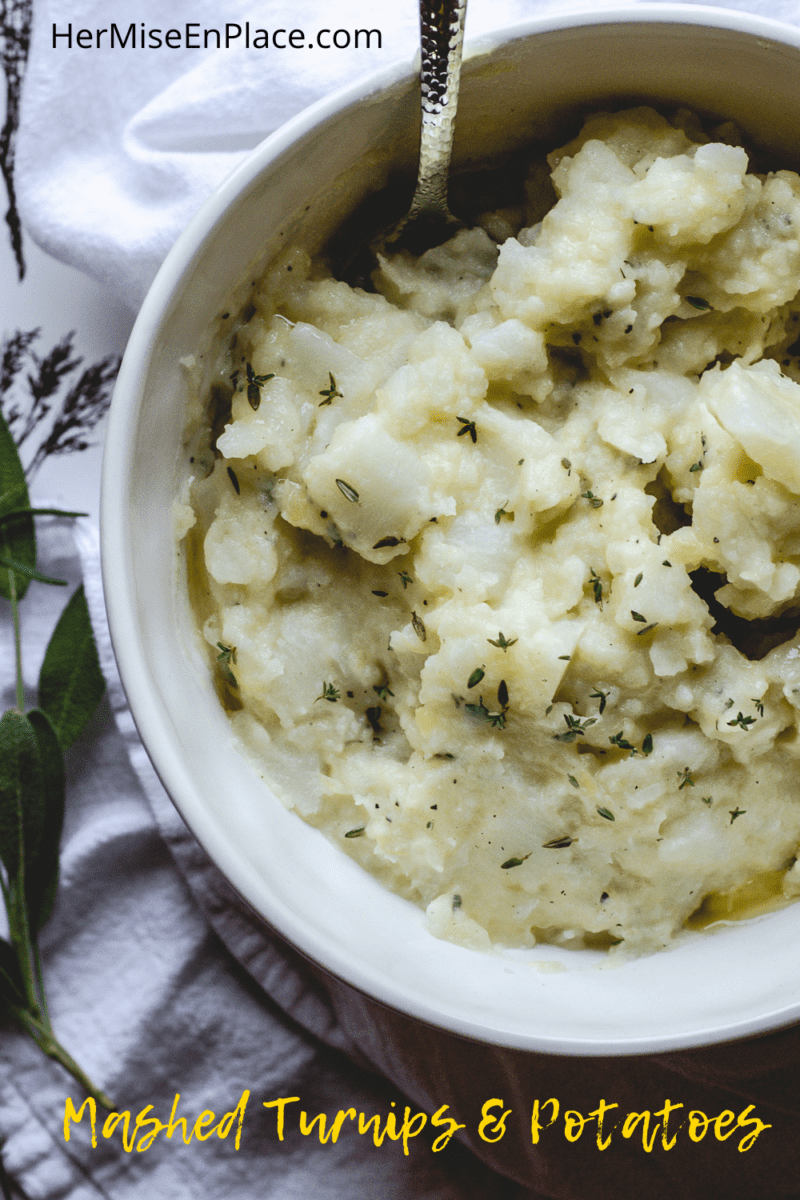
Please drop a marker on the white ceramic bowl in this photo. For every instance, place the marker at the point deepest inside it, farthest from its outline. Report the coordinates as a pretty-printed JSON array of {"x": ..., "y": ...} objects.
[{"x": 527, "y": 82}]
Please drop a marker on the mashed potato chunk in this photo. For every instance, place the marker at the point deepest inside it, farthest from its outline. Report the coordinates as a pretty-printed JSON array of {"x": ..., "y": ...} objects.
[{"x": 499, "y": 565}]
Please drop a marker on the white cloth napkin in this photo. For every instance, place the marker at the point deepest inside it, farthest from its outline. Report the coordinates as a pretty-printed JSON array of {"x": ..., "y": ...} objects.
[{"x": 116, "y": 151}]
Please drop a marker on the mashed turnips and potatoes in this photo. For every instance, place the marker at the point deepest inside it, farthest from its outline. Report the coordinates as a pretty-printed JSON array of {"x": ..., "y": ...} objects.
[{"x": 499, "y": 566}]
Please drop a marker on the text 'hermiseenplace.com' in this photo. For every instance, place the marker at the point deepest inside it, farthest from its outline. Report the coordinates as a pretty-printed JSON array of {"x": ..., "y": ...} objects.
[{"x": 194, "y": 36}]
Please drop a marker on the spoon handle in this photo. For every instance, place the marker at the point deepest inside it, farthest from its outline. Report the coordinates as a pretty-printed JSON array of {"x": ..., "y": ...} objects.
[{"x": 442, "y": 39}]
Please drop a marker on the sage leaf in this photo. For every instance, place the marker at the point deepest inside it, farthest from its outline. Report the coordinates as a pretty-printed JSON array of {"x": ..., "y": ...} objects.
[
  {"x": 71, "y": 683},
  {"x": 21, "y": 793},
  {"x": 41, "y": 867},
  {"x": 17, "y": 536}
]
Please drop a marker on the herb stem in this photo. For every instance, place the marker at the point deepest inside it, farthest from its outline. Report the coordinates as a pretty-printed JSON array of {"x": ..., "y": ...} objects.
[
  {"x": 42, "y": 1034},
  {"x": 12, "y": 587}
]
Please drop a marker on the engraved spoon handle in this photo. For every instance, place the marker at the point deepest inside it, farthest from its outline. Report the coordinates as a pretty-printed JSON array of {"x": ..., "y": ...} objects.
[{"x": 442, "y": 40}]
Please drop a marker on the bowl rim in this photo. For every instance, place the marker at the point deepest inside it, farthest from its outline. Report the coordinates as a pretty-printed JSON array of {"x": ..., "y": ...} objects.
[{"x": 117, "y": 566}]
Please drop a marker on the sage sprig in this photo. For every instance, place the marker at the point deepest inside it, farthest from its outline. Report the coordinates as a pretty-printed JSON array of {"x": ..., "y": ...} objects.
[{"x": 32, "y": 745}]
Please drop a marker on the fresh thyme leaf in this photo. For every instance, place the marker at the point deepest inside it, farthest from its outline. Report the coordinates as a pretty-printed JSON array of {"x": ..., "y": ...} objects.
[
  {"x": 467, "y": 427},
  {"x": 599, "y": 694},
  {"x": 686, "y": 779},
  {"x": 329, "y": 692},
  {"x": 329, "y": 393},
  {"x": 698, "y": 466},
  {"x": 576, "y": 727},
  {"x": 386, "y": 541},
  {"x": 381, "y": 594},
  {"x": 496, "y": 720},
  {"x": 594, "y": 501},
  {"x": 707, "y": 799},
  {"x": 71, "y": 684},
  {"x": 226, "y": 656},
  {"x": 607, "y": 813},
  {"x": 638, "y": 617},
  {"x": 501, "y": 642},
  {"x": 254, "y": 386},
  {"x": 373, "y": 716},
  {"x": 17, "y": 537},
  {"x": 514, "y": 862},
  {"x": 475, "y": 678},
  {"x": 647, "y": 745},
  {"x": 736, "y": 812},
  {"x": 383, "y": 691},
  {"x": 502, "y": 694},
  {"x": 353, "y": 833},
  {"x": 622, "y": 742},
  {"x": 405, "y": 578},
  {"x": 573, "y": 781},
  {"x": 501, "y": 512},
  {"x": 558, "y": 843},
  {"x": 456, "y": 901},
  {"x": 759, "y": 705},
  {"x": 646, "y": 629},
  {"x": 234, "y": 480},
  {"x": 347, "y": 491},
  {"x": 597, "y": 587},
  {"x": 638, "y": 579},
  {"x": 419, "y": 627},
  {"x": 698, "y": 303},
  {"x": 743, "y": 721}
]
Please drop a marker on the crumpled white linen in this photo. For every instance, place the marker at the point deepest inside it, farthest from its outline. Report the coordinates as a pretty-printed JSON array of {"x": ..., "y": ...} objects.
[{"x": 116, "y": 151}]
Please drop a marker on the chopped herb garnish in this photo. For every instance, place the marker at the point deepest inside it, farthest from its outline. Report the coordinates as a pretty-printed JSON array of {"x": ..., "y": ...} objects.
[
  {"x": 621, "y": 742},
  {"x": 351, "y": 833},
  {"x": 729, "y": 702},
  {"x": 405, "y": 578},
  {"x": 558, "y": 843},
  {"x": 383, "y": 690},
  {"x": 387, "y": 541},
  {"x": 514, "y": 862},
  {"x": 599, "y": 694},
  {"x": 707, "y": 799},
  {"x": 502, "y": 694},
  {"x": 347, "y": 491},
  {"x": 475, "y": 678},
  {"x": 638, "y": 617},
  {"x": 564, "y": 657},
  {"x": 736, "y": 812},
  {"x": 597, "y": 587},
  {"x": 743, "y": 721},
  {"x": 226, "y": 656},
  {"x": 373, "y": 716},
  {"x": 234, "y": 480},
  {"x": 501, "y": 512},
  {"x": 501, "y": 642},
  {"x": 576, "y": 726},
  {"x": 666, "y": 563},
  {"x": 566, "y": 464},
  {"x": 456, "y": 901},
  {"x": 382, "y": 595},
  {"x": 419, "y": 627},
  {"x": 759, "y": 707},
  {"x": 698, "y": 302},
  {"x": 254, "y": 386},
  {"x": 595, "y": 501},
  {"x": 573, "y": 781},
  {"x": 638, "y": 579},
  {"x": 329, "y": 393},
  {"x": 686, "y": 780},
  {"x": 647, "y": 745},
  {"x": 496, "y": 720},
  {"x": 329, "y": 692},
  {"x": 646, "y": 629},
  {"x": 698, "y": 466},
  {"x": 467, "y": 427},
  {"x": 606, "y": 813}
]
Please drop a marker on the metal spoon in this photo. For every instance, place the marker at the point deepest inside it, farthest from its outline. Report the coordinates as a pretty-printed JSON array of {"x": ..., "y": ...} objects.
[
  {"x": 428, "y": 221},
  {"x": 442, "y": 41}
]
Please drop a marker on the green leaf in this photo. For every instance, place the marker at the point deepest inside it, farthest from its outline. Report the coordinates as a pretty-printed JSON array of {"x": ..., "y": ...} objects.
[
  {"x": 17, "y": 536},
  {"x": 71, "y": 683},
  {"x": 14, "y": 564},
  {"x": 41, "y": 867},
  {"x": 21, "y": 792}
]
